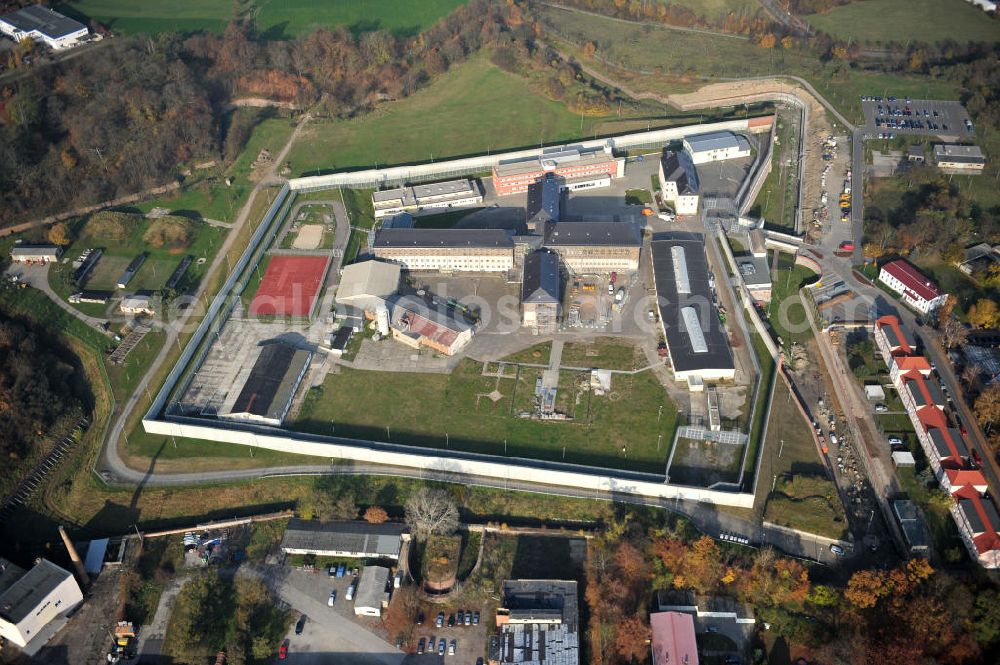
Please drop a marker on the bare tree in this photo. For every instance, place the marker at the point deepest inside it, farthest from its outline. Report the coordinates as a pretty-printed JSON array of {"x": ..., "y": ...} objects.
[
  {"x": 953, "y": 333},
  {"x": 431, "y": 511}
]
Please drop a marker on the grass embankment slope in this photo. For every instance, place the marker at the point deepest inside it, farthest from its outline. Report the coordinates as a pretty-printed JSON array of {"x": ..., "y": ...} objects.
[
  {"x": 875, "y": 21},
  {"x": 473, "y": 109},
  {"x": 669, "y": 60},
  {"x": 274, "y": 20}
]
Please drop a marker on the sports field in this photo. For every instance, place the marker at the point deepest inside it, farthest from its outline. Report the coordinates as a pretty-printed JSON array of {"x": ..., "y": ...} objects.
[
  {"x": 289, "y": 286},
  {"x": 275, "y": 20},
  {"x": 458, "y": 411},
  {"x": 903, "y": 21}
]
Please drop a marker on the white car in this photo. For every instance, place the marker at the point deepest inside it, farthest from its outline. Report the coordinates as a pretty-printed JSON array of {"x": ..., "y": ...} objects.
[
  {"x": 881, "y": 408},
  {"x": 332, "y": 599},
  {"x": 895, "y": 441}
]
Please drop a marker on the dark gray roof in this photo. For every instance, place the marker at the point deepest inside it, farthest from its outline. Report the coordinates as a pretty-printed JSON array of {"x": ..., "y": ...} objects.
[
  {"x": 545, "y": 200},
  {"x": 455, "y": 238},
  {"x": 682, "y": 354},
  {"x": 598, "y": 234},
  {"x": 360, "y": 538},
  {"x": 541, "y": 278},
  {"x": 23, "y": 596},
  {"x": 542, "y": 597},
  {"x": 44, "y": 20},
  {"x": 677, "y": 167},
  {"x": 272, "y": 381}
]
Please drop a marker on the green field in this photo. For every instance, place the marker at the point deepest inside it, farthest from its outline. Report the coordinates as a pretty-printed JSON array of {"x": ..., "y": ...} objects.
[
  {"x": 603, "y": 353},
  {"x": 775, "y": 203},
  {"x": 789, "y": 319},
  {"x": 275, "y": 20},
  {"x": 880, "y": 21},
  {"x": 670, "y": 59},
  {"x": 438, "y": 411},
  {"x": 474, "y": 108}
]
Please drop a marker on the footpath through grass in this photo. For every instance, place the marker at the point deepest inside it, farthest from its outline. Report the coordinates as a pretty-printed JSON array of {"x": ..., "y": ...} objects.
[
  {"x": 932, "y": 21},
  {"x": 274, "y": 20},
  {"x": 455, "y": 411}
]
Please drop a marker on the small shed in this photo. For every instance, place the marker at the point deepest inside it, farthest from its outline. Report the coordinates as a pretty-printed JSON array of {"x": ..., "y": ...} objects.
[
  {"x": 903, "y": 458},
  {"x": 874, "y": 392}
]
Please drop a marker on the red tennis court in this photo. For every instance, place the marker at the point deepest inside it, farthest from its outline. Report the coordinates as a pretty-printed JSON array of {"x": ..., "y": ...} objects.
[{"x": 289, "y": 286}]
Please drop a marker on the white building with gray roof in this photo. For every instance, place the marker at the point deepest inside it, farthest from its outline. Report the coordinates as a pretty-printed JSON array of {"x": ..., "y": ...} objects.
[
  {"x": 450, "y": 194},
  {"x": 33, "y": 601},
  {"x": 44, "y": 26},
  {"x": 355, "y": 539},
  {"x": 716, "y": 147}
]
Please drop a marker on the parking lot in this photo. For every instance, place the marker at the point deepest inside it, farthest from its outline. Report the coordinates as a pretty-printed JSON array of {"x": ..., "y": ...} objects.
[
  {"x": 470, "y": 641},
  {"x": 886, "y": 117}
]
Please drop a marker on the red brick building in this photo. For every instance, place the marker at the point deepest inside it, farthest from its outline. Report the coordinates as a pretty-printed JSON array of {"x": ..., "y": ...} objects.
[{"x": 580, "y": 168}]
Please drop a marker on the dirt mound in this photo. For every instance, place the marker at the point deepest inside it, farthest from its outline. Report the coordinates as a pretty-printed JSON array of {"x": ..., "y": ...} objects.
[
  {"x": 170, "y": 232},
  {"x": 109, "y": 225}
]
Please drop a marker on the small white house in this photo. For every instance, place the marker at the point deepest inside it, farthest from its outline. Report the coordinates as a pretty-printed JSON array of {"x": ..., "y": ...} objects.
[{"x": 31, "y": 600}]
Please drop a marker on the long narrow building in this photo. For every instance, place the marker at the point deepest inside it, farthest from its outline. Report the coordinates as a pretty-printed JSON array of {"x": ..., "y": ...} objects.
[{"x": 446, "y": 250}]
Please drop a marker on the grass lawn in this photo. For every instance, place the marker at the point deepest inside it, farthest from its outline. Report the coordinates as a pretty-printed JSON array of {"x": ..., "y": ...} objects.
[
  {"x": 603, "y": 353},
  {"x": 537, "y": 354},
  {"x": 670, "y": 59},
  {"x": 472, "y": 109},
  {"x": 786, "y": 313},
  {"x": 275, "y": 20},
  {"x": 438, "y": 411},
  {"x": 638, "y": 197},
  {"x": 358, "y": 203},
  {"x": 930, "y": 21},
  {"x": 775, "y": 203}
]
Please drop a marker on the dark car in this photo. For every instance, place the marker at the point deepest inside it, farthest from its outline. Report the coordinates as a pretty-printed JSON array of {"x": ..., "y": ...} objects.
[
  {"x": 420, "y": 619},
  {"x": 421, "y": 645},
  {"x": 300, "y": 626},
  {"x": 451, "y": 620},
  {"x": 475, "y": 618}
]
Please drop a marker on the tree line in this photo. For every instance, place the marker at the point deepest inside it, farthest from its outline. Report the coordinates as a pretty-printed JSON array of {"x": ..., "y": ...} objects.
[
  {"x": 907, "y": 614},
  {"x": 38, "y": 397},
  {"x": 124, "y": 117}
]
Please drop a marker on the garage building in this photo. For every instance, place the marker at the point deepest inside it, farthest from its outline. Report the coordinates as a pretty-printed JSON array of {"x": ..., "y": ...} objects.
[
  {"x": 696, "y": 341},
  {"x": 372, "y": 596},
  {"x": 353, "y": 539},
  {"x": 960, "y": 159}
]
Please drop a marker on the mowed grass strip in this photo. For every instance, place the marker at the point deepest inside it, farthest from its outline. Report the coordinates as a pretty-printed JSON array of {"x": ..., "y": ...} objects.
[
  {"x": 274, "y": 20},
  {"x": 903, "y": 21},
  {"x": 439, "y": 411}
]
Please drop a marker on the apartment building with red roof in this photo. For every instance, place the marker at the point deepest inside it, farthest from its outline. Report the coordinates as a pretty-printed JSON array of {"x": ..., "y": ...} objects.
[{"x": 915, "y": 289}]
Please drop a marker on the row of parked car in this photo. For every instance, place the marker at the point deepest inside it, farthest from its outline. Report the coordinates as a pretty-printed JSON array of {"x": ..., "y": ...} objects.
[
  {"x": 427, "y": 646},
  {"x": 457, "y": 618}
]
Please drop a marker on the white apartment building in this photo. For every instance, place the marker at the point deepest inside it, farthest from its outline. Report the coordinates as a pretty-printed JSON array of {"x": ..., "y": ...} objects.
[
  {"x": 30, "y": 600},
  {"x": 446, "y": 250},
  {"x": 679, "y": 182}
]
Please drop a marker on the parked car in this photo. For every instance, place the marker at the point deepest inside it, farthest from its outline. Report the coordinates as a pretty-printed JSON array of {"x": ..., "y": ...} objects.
[
  {"x": 441, "y": 647},
  {"x": 468, "y": 618},
  {"x": 895, "y": 441},
  {"x": 430, "y": 644},
  {"x": 283, "y": 650},
  {"x": 713, "y": 629},
  {"x": 439, "y": 622},
  {"x": 451, "y": 647},
  {"x": 351, "y": 588},
  {"x": 475, "y": 618},
  {"x": 420, "y": 619},
  {"x": 300, "y": 625},
  {"x": 332, "y": 599},
  {"x": 331, "y": 570},
  {"x": 341, "y": 569},
  {"x": 451, "y": 620},
  {"x": 837, "y": 549},
  {"x": 421, "y": 645},
  {"x": 881, "y": 408}
]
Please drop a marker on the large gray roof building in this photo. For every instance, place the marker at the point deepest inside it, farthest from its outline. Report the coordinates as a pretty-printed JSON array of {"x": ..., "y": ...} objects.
[
  {"x": 358, "y": 540},
  {"x": 268, "y": 391},
  {"x": 30, "y": 600},
  {"x": 697, "y": 342},
  {"x": 538, "y": 624},
  {"x": 42, "y": 24}
]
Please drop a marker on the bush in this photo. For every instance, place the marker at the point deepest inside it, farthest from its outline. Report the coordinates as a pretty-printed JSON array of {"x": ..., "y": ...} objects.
[
  {"x": 109, "y": 225},
  {"x": 169, "y": 232}
]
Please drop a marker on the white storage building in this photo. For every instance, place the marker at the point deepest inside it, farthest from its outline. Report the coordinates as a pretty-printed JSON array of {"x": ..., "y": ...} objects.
[
  {"x": 716, "y": 146},
  {"x": 31, "y": 600}
]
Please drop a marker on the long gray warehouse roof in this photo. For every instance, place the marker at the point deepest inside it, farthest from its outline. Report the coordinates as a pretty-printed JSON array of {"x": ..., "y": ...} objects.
[
  {"x": 362, "y": 538},
  {"x": 683, "y": 288},
  {"x": 448, "y": 238}
]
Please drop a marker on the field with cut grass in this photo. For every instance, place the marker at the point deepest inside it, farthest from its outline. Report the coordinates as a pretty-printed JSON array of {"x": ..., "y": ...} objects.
[
  {"x": 603, "y": 353},
  {"x": 456, "y": 411},
  {"x": 880, "y": 21},
  {"x": 474, "y": 108},
  {"x": 274, "y": 20}
]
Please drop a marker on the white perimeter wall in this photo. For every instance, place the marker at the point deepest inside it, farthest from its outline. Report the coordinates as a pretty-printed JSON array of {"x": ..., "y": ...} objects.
[{"x": 494, "y": 468}]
